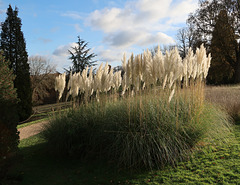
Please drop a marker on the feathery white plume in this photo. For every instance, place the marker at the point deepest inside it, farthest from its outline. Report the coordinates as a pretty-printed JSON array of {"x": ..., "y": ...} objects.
[{"x": 60, "y": 83}]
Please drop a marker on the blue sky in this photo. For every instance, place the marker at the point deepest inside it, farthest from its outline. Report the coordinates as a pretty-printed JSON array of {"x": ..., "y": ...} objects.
[{"x": 112, "y": 28}]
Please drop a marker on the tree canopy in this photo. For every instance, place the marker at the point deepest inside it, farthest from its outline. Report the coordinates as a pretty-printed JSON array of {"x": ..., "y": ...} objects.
[
  {"x": 203, "y": 20},
  {"x": 222, "y": 48},
  {"x": 216, "y": 23},
  {"x": 42, "y": 78}
]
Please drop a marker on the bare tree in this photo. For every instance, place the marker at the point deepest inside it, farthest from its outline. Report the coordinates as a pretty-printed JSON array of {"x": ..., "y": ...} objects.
[
  {"x": 42, "y": 77},
  {"x": 186, "y": 39},
  {"x": 163, "y": 48}
]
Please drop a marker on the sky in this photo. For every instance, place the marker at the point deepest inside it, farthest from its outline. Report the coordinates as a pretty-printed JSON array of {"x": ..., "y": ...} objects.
[{"x": 111, "y": 28}]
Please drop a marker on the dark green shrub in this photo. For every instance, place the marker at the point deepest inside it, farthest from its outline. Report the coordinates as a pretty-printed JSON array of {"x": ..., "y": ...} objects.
[{"x": 9, "y": 136}]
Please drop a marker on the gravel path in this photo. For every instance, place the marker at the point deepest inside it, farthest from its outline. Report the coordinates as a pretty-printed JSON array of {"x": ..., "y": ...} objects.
[{"x": 31, "y": 130}]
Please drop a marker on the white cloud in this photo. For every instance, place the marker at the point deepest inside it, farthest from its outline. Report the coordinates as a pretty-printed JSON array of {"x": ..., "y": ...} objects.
[
  {"x": 60, "y": 62},
  {"x": 128, "y": 38},
  {"x": 123, "y": 38},
  {"x": 108, "y": 55},
  {"x": 153, "y": 10},
  {"x": 157, "y": 39},
  {"x": 63, "y": 49},
  {"x": 141, "y": 22},
  {"x": 110, "y": 20},
  {"x": 180, "y": 12}
]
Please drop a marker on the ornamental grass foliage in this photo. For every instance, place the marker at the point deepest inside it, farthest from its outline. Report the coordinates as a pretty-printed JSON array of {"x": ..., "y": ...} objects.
[{"x": 152, "y": 116}]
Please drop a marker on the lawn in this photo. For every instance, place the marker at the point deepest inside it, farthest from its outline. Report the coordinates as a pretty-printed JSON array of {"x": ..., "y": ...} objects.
[
  {"x": 36, "y": 118},
  {"x": 213, "y": 164},
  {"x": 37, "y": 167}
]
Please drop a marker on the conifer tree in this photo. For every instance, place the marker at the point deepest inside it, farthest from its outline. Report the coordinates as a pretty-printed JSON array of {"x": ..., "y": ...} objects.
[
  {"x": 222, "y": 48},
  {"x": 9, "y": 137},
  {"x": 80, "y": 56},
  {"x": 14, "y": 49}
]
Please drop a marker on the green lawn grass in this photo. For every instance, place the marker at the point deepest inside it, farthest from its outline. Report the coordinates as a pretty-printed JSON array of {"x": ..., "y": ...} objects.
[
  {"x": 31, "y": 123},
  {"x": 40, "y": 117},
  {"x": 38, "y": 168},
  {"x": 218, "y": 164}
]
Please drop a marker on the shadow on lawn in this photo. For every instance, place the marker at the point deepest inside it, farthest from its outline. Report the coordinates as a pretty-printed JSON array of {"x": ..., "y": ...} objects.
[
  {"x": 36, "y": 167},
  {"x": 219, "y": 164}
]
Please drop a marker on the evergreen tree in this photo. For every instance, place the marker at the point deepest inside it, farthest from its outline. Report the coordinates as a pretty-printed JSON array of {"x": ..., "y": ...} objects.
[
  {"x": 14, "y": 47},
  {"x": 80, "y": 56},
  {"x": 8, "y": 117},
  {"x": 222, "y": 48}
]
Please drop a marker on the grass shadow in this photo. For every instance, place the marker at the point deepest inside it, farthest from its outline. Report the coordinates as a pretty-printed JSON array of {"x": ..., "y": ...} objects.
[
  {"x": 36, "y": 167},
  {"x": 219, "y": 165}
]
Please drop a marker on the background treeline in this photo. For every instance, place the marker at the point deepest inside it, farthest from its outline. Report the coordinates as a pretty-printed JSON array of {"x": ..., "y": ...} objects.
[{"x": 215, "y": 23}]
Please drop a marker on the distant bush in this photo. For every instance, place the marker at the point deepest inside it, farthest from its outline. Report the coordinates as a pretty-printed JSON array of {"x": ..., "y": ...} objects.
[{"x": 9, "y": 136}]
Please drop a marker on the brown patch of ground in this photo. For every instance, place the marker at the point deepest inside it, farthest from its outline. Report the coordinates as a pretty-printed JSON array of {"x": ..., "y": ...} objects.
[{"x": 31, "y": 130}]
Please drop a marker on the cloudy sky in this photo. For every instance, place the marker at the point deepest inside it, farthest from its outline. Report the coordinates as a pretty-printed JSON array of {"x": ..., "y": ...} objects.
[{"x": 112, "y": 28}]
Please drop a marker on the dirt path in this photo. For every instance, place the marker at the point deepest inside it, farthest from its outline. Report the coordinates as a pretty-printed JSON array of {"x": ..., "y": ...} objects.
[{"x": 31, "y": 130}]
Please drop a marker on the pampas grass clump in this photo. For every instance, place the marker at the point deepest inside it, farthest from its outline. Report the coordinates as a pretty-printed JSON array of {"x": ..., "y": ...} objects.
[
  {"x": 152, "y": 116},
  {"x": 136, "y": 132}
]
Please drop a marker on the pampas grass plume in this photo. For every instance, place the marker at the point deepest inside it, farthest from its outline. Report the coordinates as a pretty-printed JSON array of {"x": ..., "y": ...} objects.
[{"x": 60, "y": 83}]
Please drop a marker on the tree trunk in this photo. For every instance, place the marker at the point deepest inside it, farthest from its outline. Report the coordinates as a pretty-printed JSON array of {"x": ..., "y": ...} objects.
[{"x": 237, "y": 70}]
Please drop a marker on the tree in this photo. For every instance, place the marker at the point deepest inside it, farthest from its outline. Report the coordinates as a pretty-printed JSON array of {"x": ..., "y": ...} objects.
[
  {"x": 163, "y": 48},
  {"x": 204, "y": 20},
  {"x": 186, "y": 39},
  {"x": 80, "y": 56},
  {"x": 223, "y": 44},
  {"x": 14, "y": 49},
  {"x": 237, "y": 49},
  {"x": 9, "y": 136},
  {"x": 42, "y": 78}
]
